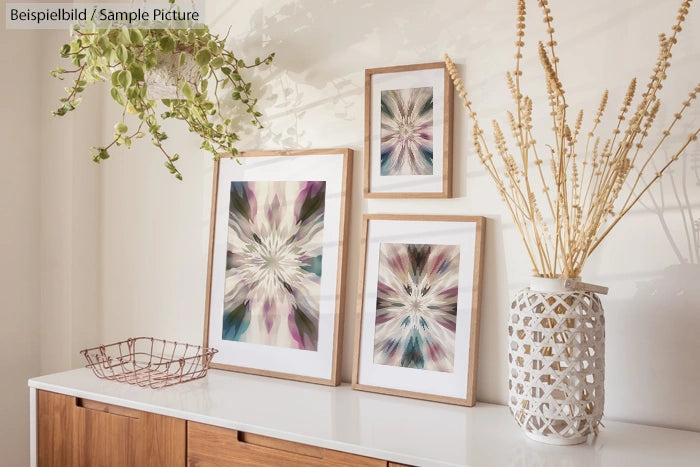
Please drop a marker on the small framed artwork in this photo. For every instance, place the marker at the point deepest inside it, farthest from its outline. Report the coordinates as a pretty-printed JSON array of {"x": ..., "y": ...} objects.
[
  {"x": 418, "y": 309},
  {"x": 408, "y": 132},
  {"x": 275, "y": 282}
]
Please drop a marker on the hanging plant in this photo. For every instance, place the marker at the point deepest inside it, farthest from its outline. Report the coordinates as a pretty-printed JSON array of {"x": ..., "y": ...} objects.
[{"x": 192, "y": 64}]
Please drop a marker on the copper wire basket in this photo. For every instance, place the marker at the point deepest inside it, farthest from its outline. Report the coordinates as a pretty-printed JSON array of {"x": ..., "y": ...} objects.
[{"x": 146, "y": 361}]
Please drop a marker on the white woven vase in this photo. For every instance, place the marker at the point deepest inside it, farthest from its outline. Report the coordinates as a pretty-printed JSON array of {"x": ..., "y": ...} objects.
[{"x": 556, "y": 362}]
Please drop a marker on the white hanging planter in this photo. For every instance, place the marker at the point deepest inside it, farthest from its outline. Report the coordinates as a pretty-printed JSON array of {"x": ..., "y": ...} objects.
[
  {"x": 556, "y": 360},
  {"x": 163, "y": 79}
]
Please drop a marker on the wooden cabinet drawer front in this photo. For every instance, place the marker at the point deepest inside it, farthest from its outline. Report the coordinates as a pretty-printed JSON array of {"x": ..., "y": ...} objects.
[
  {"x": 80, "y": 432},
  {"x": 209, "y": 446}
]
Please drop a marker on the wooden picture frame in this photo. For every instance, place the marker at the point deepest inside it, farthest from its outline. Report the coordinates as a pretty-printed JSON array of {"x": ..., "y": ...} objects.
[
  {"x": 417, "y": 324},
  {"x": 277, "y": 254},
  {"x": 408, "y": 160}
]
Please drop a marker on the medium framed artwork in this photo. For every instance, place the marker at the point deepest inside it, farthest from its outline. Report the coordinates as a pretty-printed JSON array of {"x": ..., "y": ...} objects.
[
  {"x": 276, "y": 263},
  {"x": 418, "y": 309},
  {"x": 408, "y": 132}
]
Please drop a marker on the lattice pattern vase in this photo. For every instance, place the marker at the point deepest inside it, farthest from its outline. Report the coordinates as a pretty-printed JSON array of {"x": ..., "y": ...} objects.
[{"x": 556, "y": 362}]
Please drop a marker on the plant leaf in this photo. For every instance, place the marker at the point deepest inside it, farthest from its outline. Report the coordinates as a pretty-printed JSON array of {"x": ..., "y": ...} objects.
[
  {"x": 137, "y": 71},
  {"x": 115, "y": 78},
  {"x": 124, "y": 78},
  {"x": 104, "y": 44},
  {"x": 202, "y": 57},
  {"x": 136, "y": 36},
  {"x": 166, "y": 44},
  {"x": 187, "y": 91},
  {"x": 117, "y": 96},
  {"x": 217, "y": 63},
  {"x": 122, "y": 53},
  {"x": 126, "y": 37}
]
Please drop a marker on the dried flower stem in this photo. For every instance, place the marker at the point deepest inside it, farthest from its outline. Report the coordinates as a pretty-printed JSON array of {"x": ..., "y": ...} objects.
[
  {"x": 693, "y": 137},
  {"x": 586, "y": 193}
]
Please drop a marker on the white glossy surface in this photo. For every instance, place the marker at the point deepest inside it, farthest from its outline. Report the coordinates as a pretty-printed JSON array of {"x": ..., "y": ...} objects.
[
  {"x": 32, "y": 427},
  {"x": 393, "y": 428}
]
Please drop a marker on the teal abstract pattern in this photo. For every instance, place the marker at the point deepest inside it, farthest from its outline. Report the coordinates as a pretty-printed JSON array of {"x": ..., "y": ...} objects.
[
  {"x": 273, "y": 263},
  {"x": 407, "y": 132},
  {"x": 417, "y": 306}
]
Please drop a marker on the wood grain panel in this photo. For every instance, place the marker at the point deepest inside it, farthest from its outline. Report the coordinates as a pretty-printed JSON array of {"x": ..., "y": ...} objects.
[
  {"x": 160, "y": 441},
  {"x": 80, "y": 432},
  {"x": 54, "y": 430},
  {"x": 106, "y": 408},
  {"x": 210, "y": 446}
]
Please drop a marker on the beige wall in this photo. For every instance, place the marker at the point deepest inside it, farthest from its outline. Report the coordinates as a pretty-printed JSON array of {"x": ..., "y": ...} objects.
[
  {"x": 19, "y": 241},
  {"x": 70, "y": 214},
  {"x": 94, "y": 254},
  {"x": 50, "y": 274},
  {"x": 155, "y": 229}
]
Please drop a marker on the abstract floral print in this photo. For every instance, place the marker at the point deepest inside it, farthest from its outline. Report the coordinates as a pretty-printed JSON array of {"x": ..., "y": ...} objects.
[
  {"x": 417, "y": 306},
  {"x": 407, "y": 132},
  {"x": 273, "y": 263}
]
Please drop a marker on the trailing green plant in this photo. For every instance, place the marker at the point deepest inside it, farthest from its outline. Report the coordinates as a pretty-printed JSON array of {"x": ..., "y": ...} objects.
[{"x": 124, "y": 57}]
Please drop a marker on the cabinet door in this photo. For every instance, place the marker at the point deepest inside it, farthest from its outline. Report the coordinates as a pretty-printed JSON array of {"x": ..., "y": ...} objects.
[
  {"x": 210, "y": 446},
  {"x": 80, "y": 432}
]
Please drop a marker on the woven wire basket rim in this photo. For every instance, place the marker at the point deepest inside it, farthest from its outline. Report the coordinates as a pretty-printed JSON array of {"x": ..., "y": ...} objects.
[{"x": 149, "y": 362}]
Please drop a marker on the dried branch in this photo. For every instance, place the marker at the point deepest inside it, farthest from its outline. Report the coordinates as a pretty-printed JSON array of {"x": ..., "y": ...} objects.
[{"x": 587, "y": 193}]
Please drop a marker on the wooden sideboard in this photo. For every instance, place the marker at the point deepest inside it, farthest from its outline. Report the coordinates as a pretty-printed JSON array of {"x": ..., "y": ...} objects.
[
  {"x": 209, "y": 445},
  {"x": 73, "y": 431},
  {"x": 237, "y": 419}
]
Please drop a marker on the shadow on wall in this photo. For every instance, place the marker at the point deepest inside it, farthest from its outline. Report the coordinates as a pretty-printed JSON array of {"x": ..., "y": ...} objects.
[
  {"x": 672, "y": 202},
  {"x": 333, "y": 41},
  {"x": 660, "y": 321}
]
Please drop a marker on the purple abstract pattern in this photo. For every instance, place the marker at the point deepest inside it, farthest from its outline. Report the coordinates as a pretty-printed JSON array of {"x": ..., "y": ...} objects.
[
  {"x": 273, "y": 263},
  {"x": 407, "y": 132},
  {"x": 417, "y": 306}
]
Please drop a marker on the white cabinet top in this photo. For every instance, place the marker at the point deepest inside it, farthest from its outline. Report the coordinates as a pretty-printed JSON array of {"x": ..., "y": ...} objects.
[{"x": 393, "y": 428}]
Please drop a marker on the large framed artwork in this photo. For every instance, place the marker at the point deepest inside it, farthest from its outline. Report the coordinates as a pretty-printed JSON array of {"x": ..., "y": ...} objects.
[
  {"x": 408, "y": 132},
  {"x": 418, "y": 308},
  {"x": 276, "y": 263}
]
